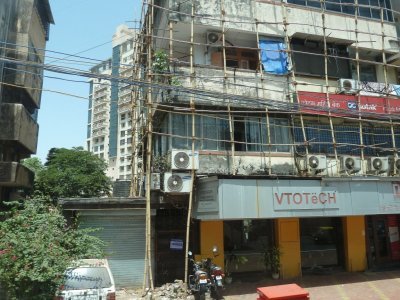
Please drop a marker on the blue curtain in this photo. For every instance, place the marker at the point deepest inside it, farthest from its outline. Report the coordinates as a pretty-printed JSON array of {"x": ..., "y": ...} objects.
[{"x": 273, "y": 59}]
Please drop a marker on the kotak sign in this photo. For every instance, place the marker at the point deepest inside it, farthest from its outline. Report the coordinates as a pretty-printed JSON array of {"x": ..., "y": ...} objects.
[
  {"x": 340, "y": 104},
  {"x": 293, "y": 199}
]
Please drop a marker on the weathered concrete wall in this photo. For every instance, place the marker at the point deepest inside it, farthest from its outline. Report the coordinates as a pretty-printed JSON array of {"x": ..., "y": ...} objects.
[{"x": 18, "y": 126}]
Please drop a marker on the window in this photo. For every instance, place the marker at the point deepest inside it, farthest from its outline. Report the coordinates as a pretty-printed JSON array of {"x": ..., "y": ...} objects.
[
  {"x": 122, "y": 142},
  {"x": 101, "y": 147},
  {"x": 96, "y": 148},
  {"x": 122, "y": 168},
  {"x": 236, "y": 58},
  {"x": 308, "y": 59},
  {"x": 273, "y": 56},
  {"x": 122, "y": 133},
  {"x": 212, "y": 132},
  {"x": 251, "y": 134},
  {"x": 377, "y": 140},
  {"x": 129, "y": 140},
  {"x": 367, "y": 8}
]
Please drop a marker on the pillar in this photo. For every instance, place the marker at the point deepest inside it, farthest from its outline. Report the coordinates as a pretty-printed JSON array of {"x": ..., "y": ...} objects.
[
  {"x": 288, "y": 239},
  {"x": 212, "y": 234},
  {"x": 354, "y": 243}
]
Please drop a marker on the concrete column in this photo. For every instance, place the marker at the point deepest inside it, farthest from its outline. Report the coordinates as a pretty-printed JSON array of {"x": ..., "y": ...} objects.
[
  {"x": 354, "y": 243},
  {"x": 288, "y": 238}
]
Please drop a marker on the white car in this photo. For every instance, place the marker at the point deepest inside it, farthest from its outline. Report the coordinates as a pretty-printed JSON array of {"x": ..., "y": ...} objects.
[{"x": 91, "y": 280}]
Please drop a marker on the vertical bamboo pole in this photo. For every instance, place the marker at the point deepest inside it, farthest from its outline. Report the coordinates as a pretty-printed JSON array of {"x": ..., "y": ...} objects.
[
  {"x": 232, "y": 137},
  {"x": 149, "y": 41},
  {"x": 360, "y": 125},
  {"x": 192, "y": 107},
  {"x": 292, "y": 73},
  {"x": 327, "y": 82},
  {"x": 384, "y": 61},
  {"x": 269, "y": 140}
]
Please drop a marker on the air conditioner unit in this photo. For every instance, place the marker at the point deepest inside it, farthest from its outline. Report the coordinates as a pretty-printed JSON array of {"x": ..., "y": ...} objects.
[
  {"x": 155, "y": 181},
  {"x": 184, "y": 160},
  {"x": 348, "y": 86},
  {"x": 378, "y": 165},
  {"x": 350, "y": 164},
  {"x": 177, "y": 182},
  {"x": 313, "y": 163},
  {"x": 213, "y": 37},
  {"x": 394, "y": 163}
]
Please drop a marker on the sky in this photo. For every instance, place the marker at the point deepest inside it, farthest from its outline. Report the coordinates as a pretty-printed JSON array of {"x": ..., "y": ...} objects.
[{"x": 79, "y": 25}]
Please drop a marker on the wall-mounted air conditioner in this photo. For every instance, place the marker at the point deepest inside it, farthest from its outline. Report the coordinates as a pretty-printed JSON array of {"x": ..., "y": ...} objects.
[
  {"x": 394, "y": 163},
  {"x": 350, "y": 164},
  {"x": 177, "y": 182},
  {"x": 377, "y": 165},
  {"x": 348, "y": 86},
  {"x": 213, "y": 37},
  {"x": 313, "y": 163},
  {"x": 155, "y": 181},
  {"x": 184, "y": 160}
]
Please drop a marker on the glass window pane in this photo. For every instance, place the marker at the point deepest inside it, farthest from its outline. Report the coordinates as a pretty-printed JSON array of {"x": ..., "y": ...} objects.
[
  {"x": 87, "y": 278},
  {"x": 179, "y": 128},
  {"x": 253, "y": 134},
  {"x": 210, "y": 134}
]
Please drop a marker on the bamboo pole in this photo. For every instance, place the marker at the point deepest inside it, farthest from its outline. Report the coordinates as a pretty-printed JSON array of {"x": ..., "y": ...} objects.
[{"x": 192, "y": 106}]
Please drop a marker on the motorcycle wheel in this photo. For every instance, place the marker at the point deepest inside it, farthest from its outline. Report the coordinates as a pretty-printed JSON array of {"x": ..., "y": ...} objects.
[
  {"x": 217, "y": 293},
  {"x": 200, "y": 296}
]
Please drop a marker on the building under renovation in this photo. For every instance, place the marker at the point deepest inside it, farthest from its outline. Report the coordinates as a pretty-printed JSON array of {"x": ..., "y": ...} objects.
[
  {"x": 24, "y": 30},
  {"x": 260, "y": 123}
]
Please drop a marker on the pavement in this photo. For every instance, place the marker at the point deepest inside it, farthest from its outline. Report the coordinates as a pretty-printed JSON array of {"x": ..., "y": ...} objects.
[
  {"x": 333, "y": 285},
  {"x": 383, "y": 285}
]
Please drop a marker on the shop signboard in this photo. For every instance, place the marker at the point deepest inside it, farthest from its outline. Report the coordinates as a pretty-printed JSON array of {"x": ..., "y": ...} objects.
[
  {"x": 346, "y": 105},
  {"x": 393, "y": 227}
]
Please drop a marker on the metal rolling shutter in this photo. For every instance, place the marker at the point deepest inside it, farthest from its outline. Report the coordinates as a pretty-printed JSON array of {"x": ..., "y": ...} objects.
[{"x": 124, "y": 234}]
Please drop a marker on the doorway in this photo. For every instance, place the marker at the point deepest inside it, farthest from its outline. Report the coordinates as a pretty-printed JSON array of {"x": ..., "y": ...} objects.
[{"x": 383, "y": 245}]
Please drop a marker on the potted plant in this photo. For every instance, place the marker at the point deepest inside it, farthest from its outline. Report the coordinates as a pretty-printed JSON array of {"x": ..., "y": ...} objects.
[
  {"x": 272, "y": 261},
  {"x": 232, "y": 261}
]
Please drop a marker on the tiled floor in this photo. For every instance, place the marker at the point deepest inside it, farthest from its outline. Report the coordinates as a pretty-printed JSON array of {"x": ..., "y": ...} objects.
[{"x": 339, "y": 285}]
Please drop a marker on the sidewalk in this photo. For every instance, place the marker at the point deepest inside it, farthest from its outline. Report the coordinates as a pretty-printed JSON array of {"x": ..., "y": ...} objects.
[{"x": 347, "y": 286}]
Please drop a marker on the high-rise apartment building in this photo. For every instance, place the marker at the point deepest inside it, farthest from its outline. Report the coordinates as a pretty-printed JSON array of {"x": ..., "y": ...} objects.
[
  {"x": 286, "y": 114},
  {"x": 109, "y": 117},
  {"x": 24, "y": 30}
]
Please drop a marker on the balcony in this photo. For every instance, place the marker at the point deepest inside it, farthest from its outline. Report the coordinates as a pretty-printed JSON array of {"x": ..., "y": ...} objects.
[
  {"x": 18, "y": 126},
  {"x": 13, "y": 174},
  {"x": 248, "y": 85}
]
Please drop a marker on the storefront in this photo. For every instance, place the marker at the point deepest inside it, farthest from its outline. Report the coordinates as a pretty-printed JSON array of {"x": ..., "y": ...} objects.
[{"x": 334, "y": 222}]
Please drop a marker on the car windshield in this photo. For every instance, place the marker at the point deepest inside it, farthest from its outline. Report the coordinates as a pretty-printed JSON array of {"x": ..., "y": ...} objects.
[{"x": 87, "y": 278}]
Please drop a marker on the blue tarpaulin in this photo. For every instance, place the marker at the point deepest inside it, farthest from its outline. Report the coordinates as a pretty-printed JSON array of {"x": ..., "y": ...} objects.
[{"x": 273, "y": 59}]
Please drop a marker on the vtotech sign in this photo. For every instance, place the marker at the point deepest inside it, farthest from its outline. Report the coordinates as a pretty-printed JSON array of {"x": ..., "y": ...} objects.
[{"x": 305, "y": 198}]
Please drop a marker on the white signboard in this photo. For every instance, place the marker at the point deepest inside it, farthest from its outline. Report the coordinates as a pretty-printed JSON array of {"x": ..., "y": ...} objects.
[{"x": 306, "y": 198}]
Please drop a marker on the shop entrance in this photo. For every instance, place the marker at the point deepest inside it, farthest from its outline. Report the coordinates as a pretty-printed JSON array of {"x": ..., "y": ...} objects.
[
  {"x": 321, "y": 242},
  {"x": 383, "y": 245}
]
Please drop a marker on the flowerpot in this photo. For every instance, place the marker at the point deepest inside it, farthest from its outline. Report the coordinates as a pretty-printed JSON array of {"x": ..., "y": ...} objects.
[
  {"x": 275, "y": 275},
  {"x": 228, "y": 280}
]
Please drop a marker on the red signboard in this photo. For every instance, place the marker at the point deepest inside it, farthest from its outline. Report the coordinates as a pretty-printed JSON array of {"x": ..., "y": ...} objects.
[{"x": 342, "y": 105}]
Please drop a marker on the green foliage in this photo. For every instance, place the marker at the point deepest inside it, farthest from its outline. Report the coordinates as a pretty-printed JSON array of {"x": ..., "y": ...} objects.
[
  {"x": 36, "y": 246},
  {"x": 160, "y": 62},
  {"x": 34, "y": 164},
  {"x": 272, "y": 259},
  {"x": 72, "y": 173}
]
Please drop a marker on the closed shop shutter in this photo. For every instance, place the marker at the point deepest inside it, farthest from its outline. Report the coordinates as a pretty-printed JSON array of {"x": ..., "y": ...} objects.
[{"x": 124, "y": 233}]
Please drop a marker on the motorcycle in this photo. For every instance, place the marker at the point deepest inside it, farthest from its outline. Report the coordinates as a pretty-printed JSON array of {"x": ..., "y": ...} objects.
[
  {"x": 216, "y": 276},
  {"x": 198, "y": 281}
]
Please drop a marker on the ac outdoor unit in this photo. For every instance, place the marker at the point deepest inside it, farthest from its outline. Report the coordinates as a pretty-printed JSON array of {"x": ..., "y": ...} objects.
[
  {"x": 155, "y": 181},
  {"x": 378, "y": 165},
  {"x": 348, "y": 86},
  {"x": 350, "y": 164},
  {"x": 177, "y": 183},
  {"x": 184, "y": 160},
  {"x": 394, "y": 163},
  {"x": 313, "y": 163},
  {"x": 213, "y": 37}
]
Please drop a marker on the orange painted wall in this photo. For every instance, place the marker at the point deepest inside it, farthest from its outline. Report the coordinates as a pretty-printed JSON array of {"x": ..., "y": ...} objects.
[
  {"x": 354, "y": 243},
  {"x": 212, "y": 234},
  {"x": 288, "y": 238}
]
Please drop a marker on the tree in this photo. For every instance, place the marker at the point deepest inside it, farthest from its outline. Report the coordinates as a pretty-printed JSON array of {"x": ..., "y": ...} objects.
[
  {"x": 73, "y": 173},
  {"x": 34, "y": 164},
  {"x": 36, "y": 246}
]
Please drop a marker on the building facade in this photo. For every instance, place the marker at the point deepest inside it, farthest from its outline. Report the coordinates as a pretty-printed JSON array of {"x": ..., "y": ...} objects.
[
  {"x": 109, "y": 114},
  {"x": 24, "y": 30},
  {"x": 286, "y": 114}
]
